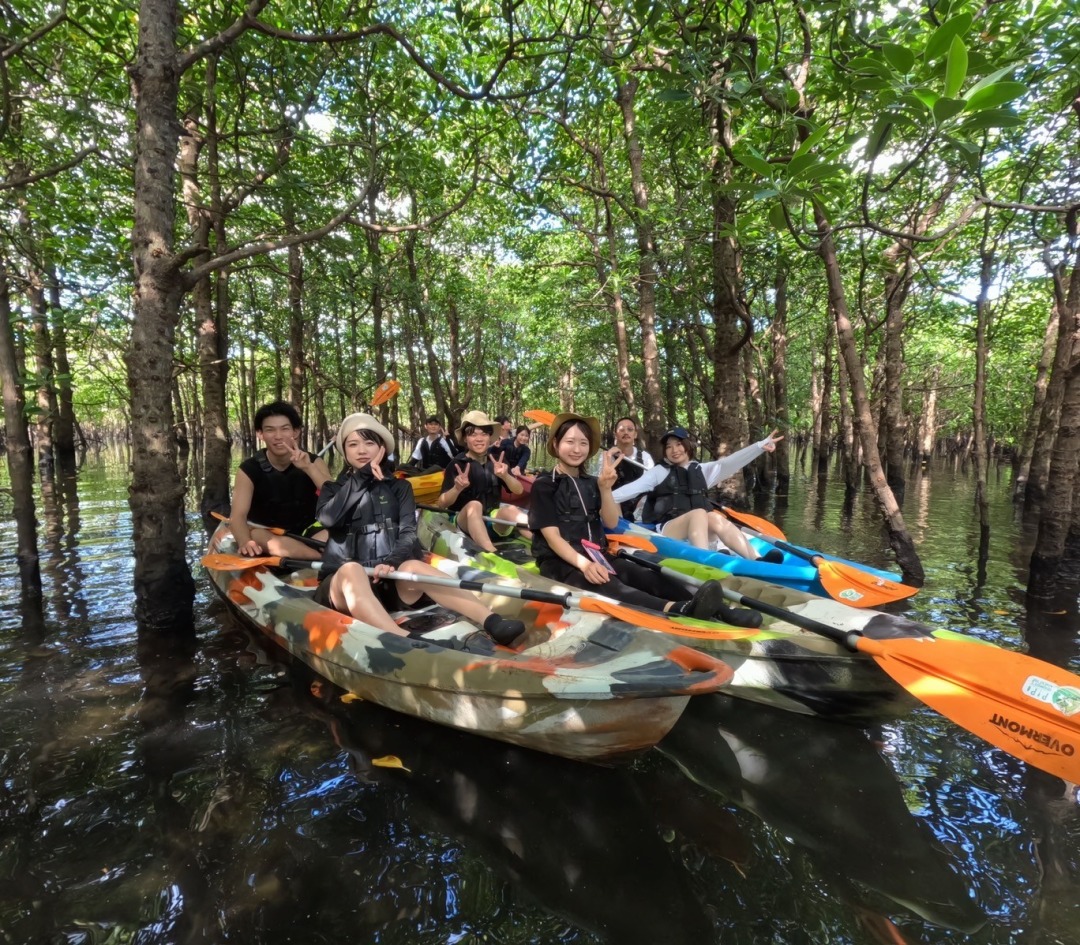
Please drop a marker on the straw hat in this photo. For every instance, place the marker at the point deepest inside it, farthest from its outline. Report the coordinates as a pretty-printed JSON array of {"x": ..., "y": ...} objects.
[
  {"x": 591, "y": 422},
  {"x": 475, "y": 418},
  {"x": 363, "y": 421}
]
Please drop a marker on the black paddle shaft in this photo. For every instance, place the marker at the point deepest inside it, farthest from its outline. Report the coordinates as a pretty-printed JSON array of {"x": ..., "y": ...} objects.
[{"x": 844, "y": 637}]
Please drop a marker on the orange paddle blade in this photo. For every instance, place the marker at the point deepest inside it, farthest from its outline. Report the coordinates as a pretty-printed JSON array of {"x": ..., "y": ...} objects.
[
  {"x": 630, "y": 541},
  {"x": 223, "y": 562},
  {"x": 642, "y": 618},
  {"x": 539, "y": 416},
  {"x": 385, "y": 391},
  {"x": 1022, "y": 705},
  {"x": 858, "y": 588},
  {"x": 762, "y": 525}
]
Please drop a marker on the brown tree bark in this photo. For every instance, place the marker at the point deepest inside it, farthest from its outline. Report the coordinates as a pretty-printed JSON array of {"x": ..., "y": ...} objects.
[
  {"x": 206, "y": 219},
  {"x": 928, "y": 419},
  {"x": 824, "y": 438},
  {"x": 1058, "y": 511},
  {"x": 899, "y": 538},
  {"x": 20, "y": 460},
  {"x": 778, "y": 331},
  {"x": 1042, "y": 384},
  {"x": 164, "y": 589},
  {"x": 66, "y": 424},
  {"x": 978, "y": 400},
  {"x": 648, "y": 270}
]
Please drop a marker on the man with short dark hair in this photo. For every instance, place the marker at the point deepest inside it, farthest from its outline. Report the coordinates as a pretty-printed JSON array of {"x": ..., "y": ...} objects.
[
  {"x": 503, "y": 437},
  {"x": 435, "y": 448},
  {"x": 277, "y": 487}
]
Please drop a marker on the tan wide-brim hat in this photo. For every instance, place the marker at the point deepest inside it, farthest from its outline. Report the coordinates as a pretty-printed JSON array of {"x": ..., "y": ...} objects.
[
  {"x": 591, "y": 422},
  {"x": 363, "y": 421},
  {"x": 475, "y": 418}
]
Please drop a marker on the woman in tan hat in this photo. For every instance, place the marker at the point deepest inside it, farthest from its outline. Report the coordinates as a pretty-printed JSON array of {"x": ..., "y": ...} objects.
[
  {"x": 473, "y": 482},
  {"x": 568, "y": 511},
  {"x": 371, "y": 517}
]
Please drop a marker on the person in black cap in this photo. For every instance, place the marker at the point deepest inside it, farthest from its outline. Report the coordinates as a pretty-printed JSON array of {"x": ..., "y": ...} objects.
[
  {"x": 568, "y": 512},
  {"x": 676, "y": 494}
]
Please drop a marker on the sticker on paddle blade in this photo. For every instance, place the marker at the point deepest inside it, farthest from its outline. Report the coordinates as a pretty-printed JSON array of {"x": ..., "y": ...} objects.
[
  {"x": 1066, "y": 699},
  {"x": 592, "y": 549},
  {"x": 850, "y": 593}
]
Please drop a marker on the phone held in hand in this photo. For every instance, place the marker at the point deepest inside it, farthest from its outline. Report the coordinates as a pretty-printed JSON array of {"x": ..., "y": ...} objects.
[{"x": 592, "y": 549}]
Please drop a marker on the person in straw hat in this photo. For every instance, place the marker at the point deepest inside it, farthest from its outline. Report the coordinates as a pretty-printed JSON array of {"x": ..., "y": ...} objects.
[
  {"x": 473, "y": 482},
  {"x": 568, "y": 512},
  {"x": 371, "y": 518}
]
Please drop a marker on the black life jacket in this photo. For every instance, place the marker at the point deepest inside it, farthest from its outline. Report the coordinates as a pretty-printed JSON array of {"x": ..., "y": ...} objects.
[
  {"x": 283, "y": 498},
  {"x": 369, "y": 530},
  {"x": 625, "y": 473},
  {"x": 577, "y": 503},
  {"x": 438, "y": 453},
  {"x": 484, "y": 485},
  {"x": 683, "y": 489}
]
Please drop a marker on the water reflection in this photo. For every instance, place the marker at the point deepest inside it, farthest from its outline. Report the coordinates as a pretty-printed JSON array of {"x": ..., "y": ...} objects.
[
  {"x": 173, "y": 790},
  {"x": 553, "y": 829},
  {"x": 826, "y": 790}
]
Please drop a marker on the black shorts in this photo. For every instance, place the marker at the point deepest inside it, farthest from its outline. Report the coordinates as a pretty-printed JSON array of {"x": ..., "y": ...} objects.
[{"x": 386, "y": 593}]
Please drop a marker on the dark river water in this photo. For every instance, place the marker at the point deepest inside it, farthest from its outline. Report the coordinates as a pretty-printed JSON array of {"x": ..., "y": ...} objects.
[{"x": 212, "y": 791}]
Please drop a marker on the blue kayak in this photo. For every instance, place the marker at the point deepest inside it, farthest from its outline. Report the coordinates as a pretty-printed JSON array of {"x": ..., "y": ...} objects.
[{"x": 792, "y": 572}]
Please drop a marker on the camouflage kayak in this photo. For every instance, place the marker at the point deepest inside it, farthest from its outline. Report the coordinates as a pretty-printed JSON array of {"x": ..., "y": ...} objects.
[
  {"x": 585, "y": 686},
  {"x": 780, "y": 664}
]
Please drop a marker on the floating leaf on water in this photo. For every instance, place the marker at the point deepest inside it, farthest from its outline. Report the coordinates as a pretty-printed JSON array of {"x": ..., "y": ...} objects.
[
  {"x": 351, "y": 697},
  {"x": 1002, "y": 613},
  {"x": 388, "y": 761},
  {"x": 1056, "y": 613}
]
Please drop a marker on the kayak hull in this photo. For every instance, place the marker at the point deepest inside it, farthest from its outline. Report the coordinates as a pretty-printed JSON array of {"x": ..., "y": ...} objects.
[
  {"x": 793, "y": 572},
  {"x": 781, "y": 665},
  {"x": 584, "y": 688}
]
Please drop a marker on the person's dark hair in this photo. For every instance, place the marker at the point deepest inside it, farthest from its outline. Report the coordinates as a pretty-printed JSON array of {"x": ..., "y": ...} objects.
[
  {"x": 467, "y": 430},
  {"x": 633, "y": 422},
  {"x": 279, "y": 408},
  {"x": 502, "y": 419},
  {"x": 566, "y": 426},
  {"x": 433, "y": 419},
  {"x": 522, "y": 429}
]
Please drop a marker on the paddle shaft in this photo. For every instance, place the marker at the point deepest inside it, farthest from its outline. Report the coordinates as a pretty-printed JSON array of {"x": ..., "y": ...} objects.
[
  {"x": 315, "y": 543},
  {"x": 846, "y": 638},
  {"x": 480, "y": 587}
]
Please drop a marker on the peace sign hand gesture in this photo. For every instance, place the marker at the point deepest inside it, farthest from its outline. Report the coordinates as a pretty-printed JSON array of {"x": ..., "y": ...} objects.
[
  {"x": 461, "y": 480},
  {"x": 500, "y": 467},
  {"x": 608, "y": 461}
]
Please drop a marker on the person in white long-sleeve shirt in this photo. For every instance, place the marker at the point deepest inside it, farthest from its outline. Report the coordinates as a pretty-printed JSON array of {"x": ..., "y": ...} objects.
[{"x": 676, "y": 499}]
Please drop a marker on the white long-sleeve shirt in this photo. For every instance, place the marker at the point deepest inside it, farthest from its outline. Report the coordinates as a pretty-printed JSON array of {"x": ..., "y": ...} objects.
[{"x": 716, "y": 471}]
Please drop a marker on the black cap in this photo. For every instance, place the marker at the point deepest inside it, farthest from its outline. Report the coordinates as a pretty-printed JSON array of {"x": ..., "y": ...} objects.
[{"x": 680, "y": 433}]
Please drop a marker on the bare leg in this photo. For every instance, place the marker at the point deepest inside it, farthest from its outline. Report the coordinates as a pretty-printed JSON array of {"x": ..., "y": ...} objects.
[
  {"x": 350, "y": 592},
  {"x": 515, "y": 516},
  {"x": 284, "y": 547},
  {"x": 731, "y": 535},
  {"x": 470, "y": 520},
  {"x": 462, "y": 602},
  {"x": 692, "y": 526}
]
